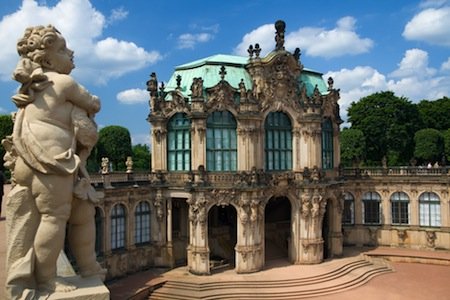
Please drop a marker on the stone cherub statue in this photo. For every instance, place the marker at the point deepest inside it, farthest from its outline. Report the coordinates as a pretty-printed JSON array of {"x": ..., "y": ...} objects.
[{"x": 54, "y": 132}]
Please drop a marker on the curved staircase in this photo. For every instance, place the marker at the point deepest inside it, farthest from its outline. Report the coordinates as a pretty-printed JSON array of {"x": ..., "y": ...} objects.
[{"x": 285, "y": 282}]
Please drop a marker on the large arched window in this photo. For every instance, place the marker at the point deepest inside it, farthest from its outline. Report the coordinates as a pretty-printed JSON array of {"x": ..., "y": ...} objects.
[
  {"x": 429, "y": 209},
  {"x": 118, "y": 227},
  {"x": 221, "y": 143},
  {"x": 400, "y": 208},
  {"x": 348, "y": 215},
  {"x": 278, "y": 146},
  {"x": 371, "y": 208},
  {"x": 179, "y": 143},
  {"x": 142, "y": 223},
  {"x": 327, "y": 144}
]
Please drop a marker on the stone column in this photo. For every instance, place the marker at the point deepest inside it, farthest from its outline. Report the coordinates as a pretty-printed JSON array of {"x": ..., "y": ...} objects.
[
  {"x": 386, "y": 211},
  {"x": 414, "y": 208},
  {"x": 169, "y": 233},
  {"x": 198, "y": 251},
  {"x": 296, "y": 150},
  {"x": 249, "y": 247},
  {"x": 313, "y": 206},
  {"x": 159, "y": 145},
  {"x": 198, "y": 143}
]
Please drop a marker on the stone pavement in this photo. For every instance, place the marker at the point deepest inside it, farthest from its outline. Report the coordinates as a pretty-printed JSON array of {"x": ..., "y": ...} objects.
[{"x": 412, "y": 281}]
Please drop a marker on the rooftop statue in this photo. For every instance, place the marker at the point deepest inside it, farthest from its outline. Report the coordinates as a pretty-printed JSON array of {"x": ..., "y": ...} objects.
[{"x": 54, "y": 132}]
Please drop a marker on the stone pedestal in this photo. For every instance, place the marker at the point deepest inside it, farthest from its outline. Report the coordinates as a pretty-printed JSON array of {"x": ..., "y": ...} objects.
[{"x": 91, "y": 288}]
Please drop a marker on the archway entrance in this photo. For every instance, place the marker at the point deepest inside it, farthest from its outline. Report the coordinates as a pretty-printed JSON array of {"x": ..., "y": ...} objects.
[
  {"x": 277, "y": 228},
  {"x": 222, "y": 236},
  {"x": 180, "y": 232}
]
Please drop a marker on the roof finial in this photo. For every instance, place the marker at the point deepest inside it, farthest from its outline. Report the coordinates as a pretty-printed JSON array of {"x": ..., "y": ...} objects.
[
  {"x": 178, "y": 79},
  {"x": 222, "y": 72},
  {"x": 280, "y": 26},
  {"x": 257, "y": 50}
]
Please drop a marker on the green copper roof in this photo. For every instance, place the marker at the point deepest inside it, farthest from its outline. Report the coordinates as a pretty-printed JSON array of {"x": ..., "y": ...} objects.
[
  {"x": 312, "y": 78},
  {"x": 208, "y": 69}
]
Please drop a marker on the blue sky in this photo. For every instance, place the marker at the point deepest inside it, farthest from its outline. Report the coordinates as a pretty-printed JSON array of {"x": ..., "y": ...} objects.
[{"x": 366, "y": 46}]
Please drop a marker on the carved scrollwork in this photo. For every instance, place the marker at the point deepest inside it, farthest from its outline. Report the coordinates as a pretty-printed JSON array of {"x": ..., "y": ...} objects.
[
  {"x": 159, "y": 206},
  {"x": 158, "y": 134},
  {"x": 221, "y": 97},
  {"x": 431, "y": 238}
]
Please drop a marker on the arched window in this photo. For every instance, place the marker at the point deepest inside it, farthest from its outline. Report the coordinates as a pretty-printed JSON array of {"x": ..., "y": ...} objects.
[
  {"x": 118, "y": 227},
  {"x": 98, "y": 231},
  {"x": 179, "y": 143},
  {"x": 327, "y": 145},
  {"x": 400, "y": 208},
  {"x": 348, "y": 215},
  {"x": 221, "y": 143},
  {"x": 371, "y": 208},
  {"x": 429, "y": 209},
  {"x": 142, "y": 223},
  {"x": 278, "y": 146}
]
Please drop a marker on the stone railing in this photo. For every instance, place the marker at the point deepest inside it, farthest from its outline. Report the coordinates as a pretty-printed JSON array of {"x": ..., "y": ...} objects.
[{"x": 394, "y": 171}]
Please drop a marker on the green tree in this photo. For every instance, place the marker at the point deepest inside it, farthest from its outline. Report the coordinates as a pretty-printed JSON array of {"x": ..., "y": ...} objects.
[
  {"x": 388, "y": 123},
  {"x": 353, "y": 145},
  {"x": 429, "y": 145},
  {"x": 6, "y": 128},
  {"x": 435, "y": 114},
  {"x": 141, "y": 157},
  {"x": 446, "y": 136},
  {"x": 114, "y": 142}
]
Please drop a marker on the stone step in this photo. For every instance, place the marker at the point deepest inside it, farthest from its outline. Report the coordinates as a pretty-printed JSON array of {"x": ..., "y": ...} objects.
[
  {"x": 347, "y": 268},
  {"x": 344, "y": 277}
]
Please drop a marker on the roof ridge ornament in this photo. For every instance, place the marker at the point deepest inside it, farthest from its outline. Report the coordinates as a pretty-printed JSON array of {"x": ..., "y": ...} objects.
[
  {"x": 222, "y": 72},
  {"x": 178, "y": 80},
  {"x": 280, "y": 26}
]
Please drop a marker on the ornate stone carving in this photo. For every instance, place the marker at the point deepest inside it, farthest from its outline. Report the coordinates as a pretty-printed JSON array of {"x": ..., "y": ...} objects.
[
  {"x": 246, "y": 251},
  {"x": 197, "y": 209},
  {"x": 224, "y": 197},
  {"x": 177, "y": 104},
  {"x": 197, "y": 87},
  {"x": 159, "y": 206},
  {"x": 221, "y": 97},
  {"x": 431, "y": 238},
  {"x": 373, "y": 235},
  {"x": 158, "y": 134},
  {"x": 402, "y": 235}
]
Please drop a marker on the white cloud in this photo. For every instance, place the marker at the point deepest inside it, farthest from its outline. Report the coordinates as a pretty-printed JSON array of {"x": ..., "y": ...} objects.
[
  {"x": 433, "y": 3},
  {"x": 406, "y": 81},
  {"x": 446, "y": 65},
  {"x": 431, "y": 25},
  {"x": 82, "y": 26},
  {"x": 189, "y": 40},
  {"x": 264, "y": 35},
  {"x": 314, "y": 41},
  {"x": 414, "y": 63},
  {"x": 133, "y": 96},
  {"x": 117, "y": 14}
]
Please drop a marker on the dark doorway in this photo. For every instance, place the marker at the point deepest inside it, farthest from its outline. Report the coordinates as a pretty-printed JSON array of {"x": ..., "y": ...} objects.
[
  {"x": 222, "y": 236},
  {"x": 180, "y": 230},
  {"x": 277, "y": 228}
]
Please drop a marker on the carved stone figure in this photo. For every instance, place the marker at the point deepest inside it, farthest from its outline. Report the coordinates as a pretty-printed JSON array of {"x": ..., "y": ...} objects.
[
  {"x": 129, "y": 164},
  {"x": 105, "y": 165},
  {"x": 54, "y": 132}
]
